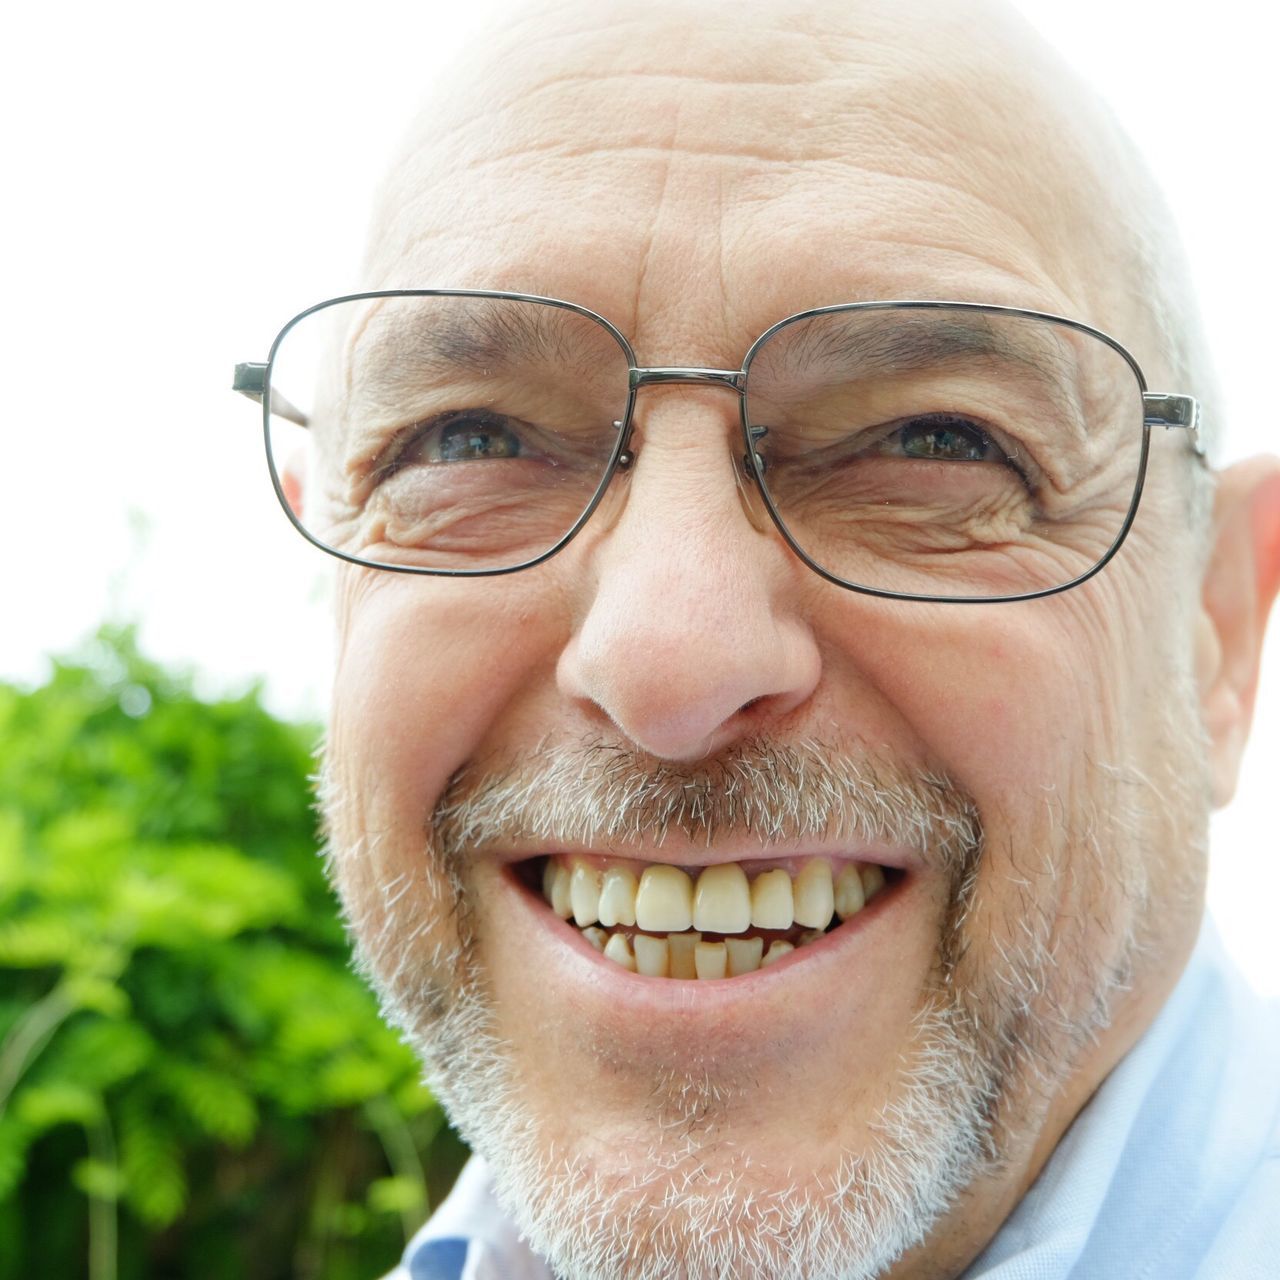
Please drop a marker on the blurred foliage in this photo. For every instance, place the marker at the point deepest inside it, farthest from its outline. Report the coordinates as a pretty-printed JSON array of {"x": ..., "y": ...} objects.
[{"x": 192, "y": 1082}]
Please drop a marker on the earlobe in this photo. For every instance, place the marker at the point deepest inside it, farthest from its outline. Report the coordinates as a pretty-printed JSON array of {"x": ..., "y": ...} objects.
[{"x": 1240, "y": 585}]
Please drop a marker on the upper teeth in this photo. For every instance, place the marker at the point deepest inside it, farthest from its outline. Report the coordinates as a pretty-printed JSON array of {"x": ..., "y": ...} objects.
[{"x": 666, "y": 899}]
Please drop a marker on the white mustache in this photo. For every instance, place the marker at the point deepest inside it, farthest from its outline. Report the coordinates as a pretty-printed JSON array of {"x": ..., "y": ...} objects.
[{"x": 599, "y": 793}]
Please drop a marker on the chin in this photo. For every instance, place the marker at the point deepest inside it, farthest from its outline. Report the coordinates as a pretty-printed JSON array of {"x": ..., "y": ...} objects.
[{"x": 694, "y": 1181}]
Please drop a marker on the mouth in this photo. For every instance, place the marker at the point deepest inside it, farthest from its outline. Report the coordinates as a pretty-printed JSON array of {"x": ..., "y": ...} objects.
[{"x": 711, "y": 923}]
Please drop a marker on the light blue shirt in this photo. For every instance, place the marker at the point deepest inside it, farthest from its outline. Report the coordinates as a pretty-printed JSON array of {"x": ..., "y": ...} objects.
[{"x": 1171, "y": 1172}]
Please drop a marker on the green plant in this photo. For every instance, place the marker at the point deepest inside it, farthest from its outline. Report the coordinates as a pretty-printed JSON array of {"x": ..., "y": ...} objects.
[{"x": 192, "y": 1081}]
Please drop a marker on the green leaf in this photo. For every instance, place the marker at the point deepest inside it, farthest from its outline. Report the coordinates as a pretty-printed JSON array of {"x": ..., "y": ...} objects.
[
  {"x": 39, "y": 943},
  {"x": 15, "y": 1137},
  {"x": 97, "y": 1053},
  {"x": 219, "y": 1105},
  {"x": 97, "y": 1179},
  {"x": 13, "y": 864},
  {"x": 352, "y": 1078},
  {"x": 396, "y": 1195},
  {"x": 83, "y": 836},
  {"x": 411, "y": 1096},
  {"x": 99, "y": 995},
  {"x": 43, "y": 1106},
  {"x": 187, "y": 896},
  {"x": 155, "y": 1184}
]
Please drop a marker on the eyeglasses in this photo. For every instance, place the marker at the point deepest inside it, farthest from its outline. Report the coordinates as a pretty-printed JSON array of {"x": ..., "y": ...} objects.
[{"x": 944, "y": 451}]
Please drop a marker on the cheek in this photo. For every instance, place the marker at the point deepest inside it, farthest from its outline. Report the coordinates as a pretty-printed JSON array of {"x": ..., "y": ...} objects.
[
  {"x": 425, "y": 668},
  {"x": 1005, "y": 699},
  {"x": 1045, "y": 712}
]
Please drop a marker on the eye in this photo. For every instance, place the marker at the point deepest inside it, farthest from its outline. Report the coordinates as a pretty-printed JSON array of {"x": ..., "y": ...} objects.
[
  {"x": 466, "y": 435},
  {"x": 942, "y": 437}
]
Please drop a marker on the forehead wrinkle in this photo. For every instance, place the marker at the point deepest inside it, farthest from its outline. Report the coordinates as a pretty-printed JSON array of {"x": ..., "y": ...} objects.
[
  {"x": 631, "y": 152},
  {"x": 757, "y": 62},
  {"x": 635, "y": 165},
  {"x": 747, "y": 61},
  {"x": 835, "y": 124},
  {"x": 907, "y": 266},
  {"x": 761, "y": 56},
  {"x": 797, "y": 46},
  {"x": 854, "y": 104}
]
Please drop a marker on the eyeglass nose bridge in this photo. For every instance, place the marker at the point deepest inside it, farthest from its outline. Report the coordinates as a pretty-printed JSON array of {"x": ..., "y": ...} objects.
[{"x": 734, "y": 380}]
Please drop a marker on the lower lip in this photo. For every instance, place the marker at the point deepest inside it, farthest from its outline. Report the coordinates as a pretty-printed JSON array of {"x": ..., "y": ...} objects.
[{"x": 572, "y": 961}]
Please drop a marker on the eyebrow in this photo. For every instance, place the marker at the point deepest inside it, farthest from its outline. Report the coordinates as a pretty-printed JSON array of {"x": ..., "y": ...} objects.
[
  {"x": 921, "y": 339},
  {"x": 476, "y": 339}
]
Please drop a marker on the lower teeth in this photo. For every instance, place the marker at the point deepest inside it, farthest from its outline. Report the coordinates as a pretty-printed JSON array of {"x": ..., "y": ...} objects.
[{"x": 689, "y": 955}]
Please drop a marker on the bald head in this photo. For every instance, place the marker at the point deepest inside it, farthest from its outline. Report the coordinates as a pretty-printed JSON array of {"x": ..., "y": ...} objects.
[{"x": 637, "y": 156}]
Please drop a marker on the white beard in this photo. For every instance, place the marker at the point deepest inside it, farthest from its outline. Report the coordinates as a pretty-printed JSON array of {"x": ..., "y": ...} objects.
[
  {"x": 667, "y": 1217},
  {"x": 674, "y": 1212}
]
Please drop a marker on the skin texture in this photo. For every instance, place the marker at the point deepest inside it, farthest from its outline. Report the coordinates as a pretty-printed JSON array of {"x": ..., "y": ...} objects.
[{"x": 695, "y": 179}]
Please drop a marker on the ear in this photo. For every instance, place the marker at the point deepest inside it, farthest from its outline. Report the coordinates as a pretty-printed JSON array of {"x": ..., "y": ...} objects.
[
  {"x": 1240, "y": 584},
  {"x": 291, "y": 483}
]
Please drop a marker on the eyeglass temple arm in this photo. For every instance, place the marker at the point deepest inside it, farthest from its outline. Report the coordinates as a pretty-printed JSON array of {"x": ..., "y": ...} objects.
[
  {"x": 1160, "y": 409},
  {"x": 251, "y": 380}
]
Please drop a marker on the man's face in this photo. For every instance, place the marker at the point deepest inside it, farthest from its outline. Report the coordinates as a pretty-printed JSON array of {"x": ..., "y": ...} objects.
[{"x": 677, "y": 688}]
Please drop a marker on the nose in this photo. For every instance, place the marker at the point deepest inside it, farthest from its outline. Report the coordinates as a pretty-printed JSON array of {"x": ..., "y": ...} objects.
[{"x": 692, "y": 632}]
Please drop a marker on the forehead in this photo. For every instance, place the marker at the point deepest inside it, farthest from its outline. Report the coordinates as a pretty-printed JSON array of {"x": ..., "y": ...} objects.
[{"x": 695, "y": 182}]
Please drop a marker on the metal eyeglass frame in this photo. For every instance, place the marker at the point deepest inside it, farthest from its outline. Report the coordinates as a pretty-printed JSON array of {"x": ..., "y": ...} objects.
[{"x": 1171, "y": 411}]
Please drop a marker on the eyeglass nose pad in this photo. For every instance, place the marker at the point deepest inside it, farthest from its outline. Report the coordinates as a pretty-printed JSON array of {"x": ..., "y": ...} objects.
[
  {"x": 626, "y": 457},
  {"x": 749, "y": 492}
]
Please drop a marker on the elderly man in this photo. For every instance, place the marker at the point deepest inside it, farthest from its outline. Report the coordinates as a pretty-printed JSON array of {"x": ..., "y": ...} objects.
[{"x": 771, "y": 746}]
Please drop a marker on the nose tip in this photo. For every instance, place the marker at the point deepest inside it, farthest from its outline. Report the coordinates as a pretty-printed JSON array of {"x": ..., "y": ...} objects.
[{"x": 683, "y": 697}]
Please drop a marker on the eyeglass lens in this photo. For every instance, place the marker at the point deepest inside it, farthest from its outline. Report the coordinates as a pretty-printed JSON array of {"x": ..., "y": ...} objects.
[
  {"x": 453, "y": 433},
  {"x": 959, "y": 453},
  {"x": 950, "y": 453}
]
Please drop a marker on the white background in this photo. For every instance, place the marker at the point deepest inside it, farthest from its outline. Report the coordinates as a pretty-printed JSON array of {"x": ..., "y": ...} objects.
[{"x": 181, "y": 179}]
